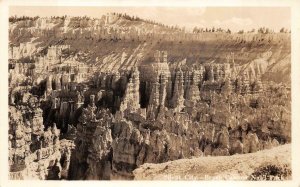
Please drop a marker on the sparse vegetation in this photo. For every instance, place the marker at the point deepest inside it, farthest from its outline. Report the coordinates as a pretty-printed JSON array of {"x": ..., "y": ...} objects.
[
  {"x": 15, "y": 18},
  {"x": 271, "y": 172}
]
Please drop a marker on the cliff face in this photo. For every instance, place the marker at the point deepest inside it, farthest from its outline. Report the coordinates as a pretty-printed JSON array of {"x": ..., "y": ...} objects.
[{"x": 121, "y": 43}]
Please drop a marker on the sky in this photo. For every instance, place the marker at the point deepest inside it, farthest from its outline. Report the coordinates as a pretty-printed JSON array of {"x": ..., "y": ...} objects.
[{"x": 234, "y": 18}]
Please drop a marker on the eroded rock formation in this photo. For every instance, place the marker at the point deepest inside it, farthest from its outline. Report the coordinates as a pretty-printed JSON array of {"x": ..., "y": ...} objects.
[{"x": 82, "y": 115}]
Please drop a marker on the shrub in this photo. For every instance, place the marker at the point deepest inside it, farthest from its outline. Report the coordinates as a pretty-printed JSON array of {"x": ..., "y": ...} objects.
[{"x": 271, "y": 172}]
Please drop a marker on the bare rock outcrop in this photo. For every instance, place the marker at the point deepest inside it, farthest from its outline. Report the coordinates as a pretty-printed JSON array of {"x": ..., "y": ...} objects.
[{"x": 33, "y": 152}]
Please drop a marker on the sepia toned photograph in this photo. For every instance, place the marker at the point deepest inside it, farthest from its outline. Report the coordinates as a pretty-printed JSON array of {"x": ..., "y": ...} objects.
[{"x": 149, "y": 93}]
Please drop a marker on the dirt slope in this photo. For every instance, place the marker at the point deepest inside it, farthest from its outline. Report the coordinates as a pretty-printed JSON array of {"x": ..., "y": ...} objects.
[{"x": 236, "y": 167}]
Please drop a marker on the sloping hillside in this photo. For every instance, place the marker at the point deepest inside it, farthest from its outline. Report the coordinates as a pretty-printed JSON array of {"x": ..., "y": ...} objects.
[
  {"x": 122, "y": 36},
  {"x": 236, "y": 167}
]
